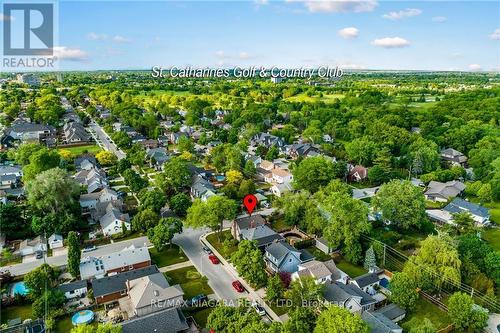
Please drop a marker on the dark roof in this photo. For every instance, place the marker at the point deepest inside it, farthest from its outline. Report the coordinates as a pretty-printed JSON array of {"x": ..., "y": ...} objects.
[
  {"x": 112, "y": 284},
  {"x": 305, "y": 255},
  {"x": 251, "y": 221},
  {"x": 366, "y": 279},
  {"x": 459, "y": 205},
  {"x": 379, "y": 323},
  {"x": 264, "y": 241},
  {"x": 338, "y": 292},
  {"x": 165, "y": 321},
  {"x": 73, "y": 286},
  {"x": 391, "y": 311}
]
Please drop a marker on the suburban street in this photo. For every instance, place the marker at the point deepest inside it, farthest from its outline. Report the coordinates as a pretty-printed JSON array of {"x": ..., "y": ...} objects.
[
  {"x": 104, "y": 141},
  {"x": 61, "y": 260},
  {"x": 218, "y": 277}
]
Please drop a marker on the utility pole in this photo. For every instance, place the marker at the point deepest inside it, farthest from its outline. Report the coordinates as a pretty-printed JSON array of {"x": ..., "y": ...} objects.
[{"x": 384, "y": 256}]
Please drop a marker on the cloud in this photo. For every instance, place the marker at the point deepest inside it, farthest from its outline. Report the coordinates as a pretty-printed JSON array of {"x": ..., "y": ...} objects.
[
  {"x": 120, "y": 39},
  {"x": 220, "y": 54},
  {"x": 408, "y": 12},
  {"x": 244, "y": 55},
  {"x": 350, "y": 65},
  {"x": 391, "y": 42},
  {"x": 495, "y": 35},
  {"x": 439, "y": 19},
  {"x": 350, "y": 32},
  {"x": 4, "y": 17},
  {"x": 96, "y": 36},
  {"x": 475, "y": 67},
  {"x": 66, "y": 53},
  {"x": 335, "y": 6},
  {"x": 259, "y": 3}
]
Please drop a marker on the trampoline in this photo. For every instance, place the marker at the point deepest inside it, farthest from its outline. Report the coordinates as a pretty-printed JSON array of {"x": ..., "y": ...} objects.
[{"x": 82, "y": 317}]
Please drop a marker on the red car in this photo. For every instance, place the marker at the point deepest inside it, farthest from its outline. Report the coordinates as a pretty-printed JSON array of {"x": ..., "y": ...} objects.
[
  {"x": 237, "y": 286},
  {"x": 213, "y": 259}
]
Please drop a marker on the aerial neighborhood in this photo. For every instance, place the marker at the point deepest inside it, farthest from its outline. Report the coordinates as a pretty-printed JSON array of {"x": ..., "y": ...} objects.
[{"x": 124, "y": 204}]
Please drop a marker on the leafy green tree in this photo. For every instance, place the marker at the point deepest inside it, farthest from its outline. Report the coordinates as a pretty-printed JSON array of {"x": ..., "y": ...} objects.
[
  {"x": 339, "y": 320},
  {"x": 162, "y": 233},
  {"x": 145, "y": 219},
  {"x": 21, "y": 155},
  {"x": 370, "y": 259},
  {"x": 180, "y": 203},
  {"x": 416, "y": 326},
  {"x": 464, "y": 314},
  {"x": 305, "y": 292},
  {"x": 185, "y": 144},
  {"x": 41, "y": 160},
  {"x": 39, "y": 278},
  {"x": 52, "y": 300},
  {"x": 12, "y": 222},
  {"x": 294, "y": 206},
  {"x": 249, "y": 263},
  {"x": 272, "y": 153},
  {"x": 436, "y": 262},
  {"x": 134, "y": 181},
  {"x": 106, "y": 158},
  {"x": 312, "y": 173},
  {"x": 274, "y": 290},
  {"x": 121, "y": 139},
  {"x": 361, "y": 151},
  {"x": 175, "y": 176},
  {"x": 401, "y": 203},
  {"x": 249, "y": 170},
  {"x": 464, "y": 223},
  {"x": 404, "y": 291},
  {"x": 485, "y": 193},
  {"x": 154, "y": 199},
  {"x": 100, "y": 328},
  {"x": 211, "y": 213},
  {"x": 229, "y": 319},
  {"x": 247, "y": 186},
  {"x": 424, "y": 156},
  {"x": 73, "y": 254},
  {"x": 301, "y": 320}
]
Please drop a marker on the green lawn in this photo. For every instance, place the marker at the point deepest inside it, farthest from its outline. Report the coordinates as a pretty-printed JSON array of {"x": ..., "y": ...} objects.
[
  {"x": 351, "y": 269},
  {"x": 492, "y": 236},
  {"x": 200, "y": 316},
  {"x": 117, "y": 183},
  {"x": 63, "y": 324},
  {"x": 318, "y": 254},
  {"x": 279, "y": 310},
  {"x": 279, "y": 224},
  {"x": 93, "y": 149},
  {"x": 190, "y": 280},
  {"x": 218, "y": 243},
  {"x": 17, "y": 311},
  {"x": 168, "y": 256},
  {"x": 428, "y": 310}
]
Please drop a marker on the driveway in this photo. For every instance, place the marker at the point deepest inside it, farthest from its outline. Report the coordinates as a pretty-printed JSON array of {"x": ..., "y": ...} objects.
[
  {"x": 219, "y": 278},
  {"x": 61, "y": 260}
]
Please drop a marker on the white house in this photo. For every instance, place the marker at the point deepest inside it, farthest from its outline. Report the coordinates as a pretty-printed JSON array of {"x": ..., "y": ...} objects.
[
  {"x": 321, "y": 272},
  {"x": 74, "y": 289},
  {"x": 113, "y": 221},
  {"x": 56, "y": 241}
]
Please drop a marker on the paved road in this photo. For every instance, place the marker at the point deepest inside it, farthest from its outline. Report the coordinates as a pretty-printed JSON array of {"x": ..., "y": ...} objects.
[
  {"x": 218, "y": 278},
  {"x": 106, "y": 142},
  {"x": 61, "y": 260}
]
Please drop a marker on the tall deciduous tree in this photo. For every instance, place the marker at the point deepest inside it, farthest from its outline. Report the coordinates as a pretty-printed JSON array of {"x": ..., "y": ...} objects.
[
  {"x": 211, "y": 213},
  {"x": 175, "y": 176},
  {"x": 274, "y": 290},
  {"x": 164, "y": 231},
  {"x": 180, "y": 203},
  {"x": 249, "y": 263},
  {"x": 401, "y": 203},
  {"x": 312, "y": 173},
  {"x": 464, "y": 314},
  {"x": 73, "y": 254},
  {"x": 404, "y": 291},
  {"x": 145, "y": 219},
  {"x": 301, "y": 320},
  {"x": 339, "y": 320}
]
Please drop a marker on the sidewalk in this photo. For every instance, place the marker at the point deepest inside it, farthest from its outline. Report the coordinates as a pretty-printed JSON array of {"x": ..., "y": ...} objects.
[
  {"x": 187, "y": 263},
  {"x": 252, "y": 294}
]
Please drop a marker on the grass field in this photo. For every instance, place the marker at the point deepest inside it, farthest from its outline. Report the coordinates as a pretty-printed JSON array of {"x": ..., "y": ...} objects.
[
  {"x": 492, "y": 236},
  {"x": 93, "y": 149},
  {"x": 327, "y": 98},
  {"x": 214, "y": 241},
  {"x": 17, "y": 311},
  {"x": 170, "y": 255},
  {"x": 351, "y": 269},
  {"x": 428, "y": 310},
  {"x": 190, "y": 280},
  {"x": 201, "y": 316}
]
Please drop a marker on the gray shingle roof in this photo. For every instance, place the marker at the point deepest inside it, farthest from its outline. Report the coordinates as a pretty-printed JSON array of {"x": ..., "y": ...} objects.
[
  {"x": 459, "y": 205},
  {"x": 391, "y": 311},
  {"x": 366, "y": 279},
  {"x": 167, "y": 321},
  {"x": 111, "y": 284},
  {"x": 338, "y": 292},
  {"x": 378, "y": 323},
  {"x": 73, "y": 286}
]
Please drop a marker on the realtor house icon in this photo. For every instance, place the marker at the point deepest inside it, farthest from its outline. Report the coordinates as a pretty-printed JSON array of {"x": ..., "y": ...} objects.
[{"x": 28, "y": 29}]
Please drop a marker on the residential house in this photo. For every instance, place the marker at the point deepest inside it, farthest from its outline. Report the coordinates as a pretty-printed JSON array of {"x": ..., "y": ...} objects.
[
  {"x": 74, "y": 132},
  {"x": 27, "y": 132},
  {"x": 202, "y": 189},
  {"x": 454, "y": 157},
  {"x": 322, "y": 245},
  {"x": 150, "y": 144},
  {"x": 74, "y": 289},
  {"x": 109, "y": 289},
  {"x": 10, "y": 176},
  {"x": 442, "y": 192},
  {"x": 90, "y": 201},
  {"x": 165, "y": 321},
  {"x": 392, "y": 312},
  {"x": 150, "y": 293},
  {"x": 254, "y": 228},
  {"x": 128, "y": 259},
  {"x": 378, "y": 323},
  {"x": 267, "y": 140},
  {"x": 366, "y": 282},
  {"x": 30, "y": 246},
  {"x": 278, "y": 176},
  {"x": 357, "y": 173},
  {"x": 280, "y": 189},
  {"x": 301, "y": 150},
  {"x": 282, "y": 257},
  {"x": 348, "y": 296},
  {"x": 114, "y": 221},
  {"x": 85, "y": 162},
  {"x": 93, "y": 178},
  {"x": 56, "y": 241},
  {"x": 3, "y": 197},
  {"x": 321, "y": 272},
  {"x": 174, "y": 137},
  {"x": 480, "y": 214},
  {"x": 256, "y": 159},
  {"x": 157, "y": 157}
]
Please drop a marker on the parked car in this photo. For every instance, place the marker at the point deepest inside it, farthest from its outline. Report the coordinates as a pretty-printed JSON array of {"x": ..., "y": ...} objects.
[
  {"x": 89, "y": 248},
  {"x": 198, "y": 299},
  {"x": 238, "y": 286},
  {"x": 213, "y": 259},
  {"x": 39, "y": 254},
  {"x": 260, "y": 310},
  {"x": 207, "y": 250}
]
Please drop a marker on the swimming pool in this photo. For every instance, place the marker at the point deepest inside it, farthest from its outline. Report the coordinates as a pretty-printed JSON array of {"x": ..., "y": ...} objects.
[
  {"x": 82, "y": 317},
  {"x": 220, "y": 178},
  {"x": 19, "y": 288}
]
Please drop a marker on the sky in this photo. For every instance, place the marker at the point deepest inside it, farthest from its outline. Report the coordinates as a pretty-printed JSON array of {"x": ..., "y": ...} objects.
[{"x": 400, "y": 35}]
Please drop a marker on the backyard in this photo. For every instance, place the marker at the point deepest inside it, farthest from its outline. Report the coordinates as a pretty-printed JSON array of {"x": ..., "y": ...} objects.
[
  {"x": 350, "y": 269},
  {"x": 16, "y": 311},
  {"x": 170, "y": 255},
  {"x": 425, "y": 309},
  {"x": 78, "y": 150},
  {"x": 191, "y": 281}
]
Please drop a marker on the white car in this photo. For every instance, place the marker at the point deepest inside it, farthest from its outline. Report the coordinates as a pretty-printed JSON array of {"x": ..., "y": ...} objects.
[{"x": 260, "y": 310}]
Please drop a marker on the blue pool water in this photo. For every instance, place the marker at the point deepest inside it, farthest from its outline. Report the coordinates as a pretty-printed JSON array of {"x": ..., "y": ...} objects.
[
  {"x": 220, "y": 178},
  {"x": 19, "y": 288},
  {"x": 82, "y": 317}
]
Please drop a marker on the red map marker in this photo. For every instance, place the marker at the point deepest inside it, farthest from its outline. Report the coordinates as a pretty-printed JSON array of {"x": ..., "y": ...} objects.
[{"x": 250, "y": 201}]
